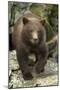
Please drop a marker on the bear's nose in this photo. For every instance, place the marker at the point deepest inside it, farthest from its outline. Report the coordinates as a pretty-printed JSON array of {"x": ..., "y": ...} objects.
[{"x": 35, "y": 39}]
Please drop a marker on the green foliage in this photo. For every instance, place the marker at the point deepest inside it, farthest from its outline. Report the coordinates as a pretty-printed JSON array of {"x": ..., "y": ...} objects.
[
  {"x": 37, "y": 9},
  {"x": 53, "y": 18}
]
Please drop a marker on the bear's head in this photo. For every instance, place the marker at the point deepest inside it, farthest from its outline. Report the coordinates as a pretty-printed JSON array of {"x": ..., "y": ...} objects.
[{"x": 33, "y": 31}]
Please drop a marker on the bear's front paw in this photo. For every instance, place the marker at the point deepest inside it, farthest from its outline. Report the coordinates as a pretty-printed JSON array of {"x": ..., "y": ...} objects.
[
  {"x": 28, "y": 76},
  {"x": 42, "y": 70},
  {"x": 38, "y": 70}
]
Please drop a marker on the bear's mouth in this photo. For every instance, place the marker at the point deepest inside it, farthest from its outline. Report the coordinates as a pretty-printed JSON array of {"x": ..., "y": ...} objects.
[{"x": 34, "y": 41}]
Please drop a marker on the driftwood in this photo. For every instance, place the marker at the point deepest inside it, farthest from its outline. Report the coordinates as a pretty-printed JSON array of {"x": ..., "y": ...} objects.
[
  {"x": 54, "y": 40},
  {"x": 52, "y": 45}
]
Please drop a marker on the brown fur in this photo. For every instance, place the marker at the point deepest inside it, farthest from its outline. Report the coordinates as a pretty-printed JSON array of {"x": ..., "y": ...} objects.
[{"x": 21, "y": 41}]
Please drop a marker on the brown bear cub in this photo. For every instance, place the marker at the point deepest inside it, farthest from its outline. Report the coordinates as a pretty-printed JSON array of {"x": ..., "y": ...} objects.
[{"x": 29, "y": 39}]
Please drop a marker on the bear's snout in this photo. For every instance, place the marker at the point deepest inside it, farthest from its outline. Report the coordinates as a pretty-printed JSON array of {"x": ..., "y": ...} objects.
[{"x": 34, "y": 37}]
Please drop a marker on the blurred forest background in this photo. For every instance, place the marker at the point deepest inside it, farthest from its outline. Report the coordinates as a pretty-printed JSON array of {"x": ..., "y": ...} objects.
[{"x": 48, "y": 12}]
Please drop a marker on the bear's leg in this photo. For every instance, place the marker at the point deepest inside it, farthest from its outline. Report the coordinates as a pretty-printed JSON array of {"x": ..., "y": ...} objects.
[
  {"x": 40, "y": 67},
  {"x": 42, "y": 70},
  {"x": 22, "y": 60},
  {"x": 42, "y": 59},
  {"x": 27, "y": 76}
]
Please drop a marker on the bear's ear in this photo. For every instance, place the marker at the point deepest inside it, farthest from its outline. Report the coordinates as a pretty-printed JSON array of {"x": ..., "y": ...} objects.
[
  {"x": 25, "y": 20},
  {"x": 43, "y": 22}
]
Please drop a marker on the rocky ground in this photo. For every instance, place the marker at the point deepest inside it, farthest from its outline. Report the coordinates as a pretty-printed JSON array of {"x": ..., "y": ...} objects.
[{"x": 47, "y": 78}]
